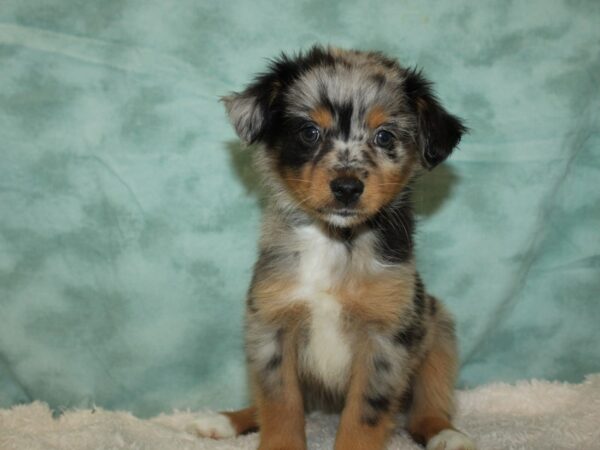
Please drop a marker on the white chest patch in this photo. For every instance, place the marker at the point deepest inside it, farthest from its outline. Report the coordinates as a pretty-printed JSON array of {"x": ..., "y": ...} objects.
[{"x": 327, "y": 354}]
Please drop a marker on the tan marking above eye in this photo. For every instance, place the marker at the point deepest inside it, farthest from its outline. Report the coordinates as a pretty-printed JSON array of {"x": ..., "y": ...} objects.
[
  {"x": 322, "y": 117},
  {"x": 376, "y": 117}
]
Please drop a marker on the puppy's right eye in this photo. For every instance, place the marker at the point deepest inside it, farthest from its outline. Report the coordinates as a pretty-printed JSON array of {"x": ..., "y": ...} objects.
[{"x": 309, "y": 134}]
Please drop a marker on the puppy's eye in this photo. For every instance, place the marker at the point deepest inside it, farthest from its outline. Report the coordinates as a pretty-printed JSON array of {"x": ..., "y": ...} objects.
[
  {"x": 309, "y": 134},
  {"x": 384, "y": 138}
]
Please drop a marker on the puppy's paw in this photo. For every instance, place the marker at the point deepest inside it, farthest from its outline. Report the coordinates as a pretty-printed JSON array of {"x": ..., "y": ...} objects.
[
  {"x": 451, "y": 440},
  {"x": 212, "y": 425}
]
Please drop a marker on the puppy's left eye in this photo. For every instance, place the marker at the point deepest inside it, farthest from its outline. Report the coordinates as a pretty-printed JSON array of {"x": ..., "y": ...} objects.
[
  {"x": 384, "y": 138},
  {"x": 309, "y": 134}
]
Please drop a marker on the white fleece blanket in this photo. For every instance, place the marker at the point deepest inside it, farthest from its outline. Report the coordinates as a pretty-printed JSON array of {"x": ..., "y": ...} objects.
[{"x": 529, "y": 415}]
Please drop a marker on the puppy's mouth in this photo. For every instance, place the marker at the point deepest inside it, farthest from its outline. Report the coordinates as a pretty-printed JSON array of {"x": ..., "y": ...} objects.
[
  {"x": 342, "y": 217},
  {"x": 345, "y": 212},
  {"x": 342, "y": 212}
]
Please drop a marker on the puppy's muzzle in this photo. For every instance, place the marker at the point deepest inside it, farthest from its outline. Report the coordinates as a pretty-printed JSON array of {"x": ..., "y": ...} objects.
[{"x": 347, "y": 190}]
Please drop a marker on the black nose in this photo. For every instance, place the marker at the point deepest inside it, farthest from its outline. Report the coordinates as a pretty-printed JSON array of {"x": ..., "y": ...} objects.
[{"x": 347, "y": 189}]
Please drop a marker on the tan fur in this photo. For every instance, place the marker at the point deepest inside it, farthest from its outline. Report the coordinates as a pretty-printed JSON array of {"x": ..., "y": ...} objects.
[
  {"x": 310, "y": 186},
  {"x": 322, "y": 117},
  {"x": 281, "y": 413},
  {"x": 388, "y": 293},
  {"x": 376, "y": 117},
  {"x": 243, "y": 420},
  {"x": 432, "y": 405},
  {"x": 385, "y": 184},
  {"x": 353, "y": 432},
  {"x": 427, "y": 427},
  {"x": 273, "y": 297}
]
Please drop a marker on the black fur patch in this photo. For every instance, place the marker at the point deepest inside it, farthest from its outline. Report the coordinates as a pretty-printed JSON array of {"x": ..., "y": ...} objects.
[
  {"x": 432, "y": 305},
  {"x": 250, "y": 304},
  {"x": 276, "y": 359},
  {"x": 372, "y": 420},
  {"x": 381, "y": 364},
  {"x": 410, "y": 336},
  {"x": 377, "y": 405},
  {"x": 325, "y": 148},
  {"x": 274, "y": 362},
  {"x": 438, "y": 130},
  {"x": 414, "y": 333},
  {"x": 267, "y": 259},
  {"x": 268, "y": 90},
  {"x": 344, "y": 116},
  {"x": 405, "y": 400},
  {"x": 293, "y": 152},
  {"x": 394, "y": 227},
  {"x": 419, "y": 297},
  {"x": 347, "y": 236},
  {"x": 379, "y": 80},
  {"x": 367, "y": 158},
  {"x": 391, "y": 153}
]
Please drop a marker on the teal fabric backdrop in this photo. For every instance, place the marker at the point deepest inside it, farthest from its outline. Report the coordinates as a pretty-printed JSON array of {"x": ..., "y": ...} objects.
[{"x": 129, "y": 213}]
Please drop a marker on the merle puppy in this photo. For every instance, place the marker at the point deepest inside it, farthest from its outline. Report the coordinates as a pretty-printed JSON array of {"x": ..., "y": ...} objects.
[{"x": 337, "y": 316}]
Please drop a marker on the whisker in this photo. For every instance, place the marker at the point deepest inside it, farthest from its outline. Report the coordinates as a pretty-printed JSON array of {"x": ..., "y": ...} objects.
[{"x": 297, "y": 179}]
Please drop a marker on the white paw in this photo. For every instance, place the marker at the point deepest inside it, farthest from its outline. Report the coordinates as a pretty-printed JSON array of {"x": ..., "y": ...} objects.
[
  {"x": 451, "y": 440},
  {"x": 212, "y": 425}
]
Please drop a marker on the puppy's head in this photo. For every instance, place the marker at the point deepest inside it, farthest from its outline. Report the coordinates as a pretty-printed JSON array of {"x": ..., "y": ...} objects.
[{"x": 343, "y": 132}]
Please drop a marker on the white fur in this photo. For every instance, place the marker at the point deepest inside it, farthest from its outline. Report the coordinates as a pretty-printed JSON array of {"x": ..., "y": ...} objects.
[
  {"x": 502, "y": 416},
  {"x": 327, "y": 353},
  {"x": 212, "y": 425},
  {"x": 341, "y": 221},
  {"x": 451, "y": 440},
  {"x": 263, "y": 341}
]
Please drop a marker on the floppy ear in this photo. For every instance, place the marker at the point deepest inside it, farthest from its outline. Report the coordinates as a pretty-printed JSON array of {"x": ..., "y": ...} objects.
[
  {"x": 438, "y": 131},
  {"x": 250, "y": 111}
]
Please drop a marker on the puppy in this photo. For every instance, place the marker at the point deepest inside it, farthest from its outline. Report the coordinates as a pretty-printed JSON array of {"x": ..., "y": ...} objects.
[{"x": 337, "y": 317}]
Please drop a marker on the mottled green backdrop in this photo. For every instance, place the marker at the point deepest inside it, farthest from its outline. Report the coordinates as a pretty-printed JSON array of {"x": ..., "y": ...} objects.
[{"x": 129, "y": 214}]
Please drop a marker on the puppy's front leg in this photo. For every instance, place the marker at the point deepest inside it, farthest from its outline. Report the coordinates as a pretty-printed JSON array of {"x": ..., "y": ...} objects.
[
  {"x": 371, "y": 403},
  {"x": 272, "y": 358}
]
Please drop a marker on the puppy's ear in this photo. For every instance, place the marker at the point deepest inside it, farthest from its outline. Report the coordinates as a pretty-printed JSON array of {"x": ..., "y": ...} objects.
[
  {"x": 438, "y": 131},
  {"x": 250, "y": 111}
]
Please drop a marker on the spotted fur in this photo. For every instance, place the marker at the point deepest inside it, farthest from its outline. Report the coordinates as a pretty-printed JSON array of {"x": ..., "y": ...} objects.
[{"x": 337, "y": 316}]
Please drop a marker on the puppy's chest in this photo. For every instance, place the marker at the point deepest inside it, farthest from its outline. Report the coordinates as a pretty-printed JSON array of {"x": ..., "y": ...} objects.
[{"x": 325, "y": 347}]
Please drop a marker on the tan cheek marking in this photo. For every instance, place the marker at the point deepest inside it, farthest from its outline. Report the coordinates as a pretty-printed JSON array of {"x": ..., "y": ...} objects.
[
  {"x": 299, "y": 183},
  {"x": 302, "y": 185},
  {"x": 310, "y": 185},
  {"x": 384, "y": 184},
  {"x": 380, "y": 188},
  {"x": 322, "y": 117},
  {"x": 321, "y": 192},
  {"x": 376, "y": 117}
]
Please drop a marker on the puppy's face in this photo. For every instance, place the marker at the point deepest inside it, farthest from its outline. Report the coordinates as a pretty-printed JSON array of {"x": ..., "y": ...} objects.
[{"x": 343, "y": 132}]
